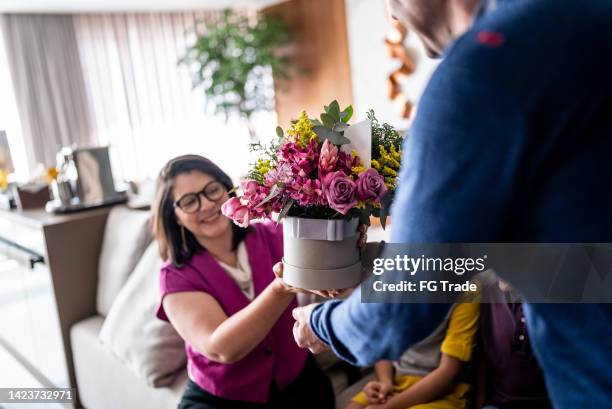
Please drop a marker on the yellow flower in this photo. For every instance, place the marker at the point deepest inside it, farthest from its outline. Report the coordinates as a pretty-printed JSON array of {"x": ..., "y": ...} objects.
[
  {"x": 3, "y": 180},
  {"x": 263, "y": 166},
  {"x": 390, "y": 182},
  {"x": 387, "y": 171},
  {"x": 51, "y": 174},
  {"x": 302, "y": 132},
  {"x": 395, "y": 154},
  {"x": 360, "y": 204},
  {"x": 358, "y": 169},
  {"x": 376, "y": 165}
]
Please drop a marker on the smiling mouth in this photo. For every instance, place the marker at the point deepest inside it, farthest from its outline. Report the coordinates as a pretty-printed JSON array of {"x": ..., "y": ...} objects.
[{"x": 211, "y": 218}]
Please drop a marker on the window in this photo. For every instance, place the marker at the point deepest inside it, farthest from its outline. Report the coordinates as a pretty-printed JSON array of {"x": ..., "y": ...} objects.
[{"x": 142, "y": 101}]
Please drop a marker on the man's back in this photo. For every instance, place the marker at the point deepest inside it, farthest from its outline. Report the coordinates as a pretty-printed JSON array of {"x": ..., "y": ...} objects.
[{"x": 511, "y": 143}]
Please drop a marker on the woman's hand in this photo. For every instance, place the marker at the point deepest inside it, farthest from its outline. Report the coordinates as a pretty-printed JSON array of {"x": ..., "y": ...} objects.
[{"x": 284, "y": 287}]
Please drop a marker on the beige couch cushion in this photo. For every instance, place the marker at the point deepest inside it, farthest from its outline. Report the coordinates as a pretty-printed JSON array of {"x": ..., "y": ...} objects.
[
  {"x": 104, "y": 381},
  {"x": 126, "y": 237},
  {"x": 151, "y": 348}
]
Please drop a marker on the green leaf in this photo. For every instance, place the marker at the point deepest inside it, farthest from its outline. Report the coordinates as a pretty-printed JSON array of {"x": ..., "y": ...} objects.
[
  {"x": 347, "y": 114},
  {"x": 340, "y": 127},
  {"x": 334, "y": 110},
  {"x": 279, "y": 132},
  {"x": 327, "y": 120},
  {"x": 385, "y": 205},
  {"x": 334, "y": 137}
]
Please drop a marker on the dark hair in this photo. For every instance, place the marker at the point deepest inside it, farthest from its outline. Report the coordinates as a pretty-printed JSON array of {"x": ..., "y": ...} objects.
[{"x": 172, "y": 245}]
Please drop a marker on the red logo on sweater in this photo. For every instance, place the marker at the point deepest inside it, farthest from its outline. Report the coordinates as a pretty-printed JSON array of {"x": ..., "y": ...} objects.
[{"x": 490, "y": 38}]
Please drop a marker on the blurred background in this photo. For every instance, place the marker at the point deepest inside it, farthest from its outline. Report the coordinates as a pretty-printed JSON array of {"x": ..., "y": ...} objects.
[
  {"x": 107, "y": 73},
  {"x": 95, "y": 96}
]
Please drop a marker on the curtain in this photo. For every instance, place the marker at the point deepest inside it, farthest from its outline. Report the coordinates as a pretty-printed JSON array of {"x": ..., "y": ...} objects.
[
  {"x": 49, "y": 84},
  {"x": 142, "y": 100}
]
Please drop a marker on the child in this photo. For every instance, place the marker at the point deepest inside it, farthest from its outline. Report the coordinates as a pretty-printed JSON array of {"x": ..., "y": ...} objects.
[
  {"x": 429, "y": 375},
  {"x": 508, "y": 374}
]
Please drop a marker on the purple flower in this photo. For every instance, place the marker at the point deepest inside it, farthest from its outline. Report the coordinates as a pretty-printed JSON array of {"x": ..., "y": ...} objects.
[
  {"x": 339, "y": 191},
  {"x": 282, "y": 175},
  {"x": 371, "y": 185}
]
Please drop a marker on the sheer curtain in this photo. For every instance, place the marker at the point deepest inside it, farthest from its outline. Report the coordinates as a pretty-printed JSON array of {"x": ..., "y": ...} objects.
[
  {"x": 47, "y": 79},
  {"x": 142, "y": 101}
]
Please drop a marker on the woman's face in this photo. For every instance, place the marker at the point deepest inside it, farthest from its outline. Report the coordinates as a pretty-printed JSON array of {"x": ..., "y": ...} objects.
[{"x": 207, "y": 222}]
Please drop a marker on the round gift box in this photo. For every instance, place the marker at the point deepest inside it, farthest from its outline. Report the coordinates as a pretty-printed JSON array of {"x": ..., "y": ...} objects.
[{"x": 321, "y": 254}]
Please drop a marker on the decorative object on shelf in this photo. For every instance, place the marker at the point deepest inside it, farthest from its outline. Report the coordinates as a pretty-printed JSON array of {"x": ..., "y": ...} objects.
[
  {"x": 6, "y": 164},
  {"x": 84, "y": 179},
  {"x": 397, "y": 50},
  {"x": 232, "y": 61},
  {"x": 31, "y": 195},
  {"x": 324, "y": 178}
]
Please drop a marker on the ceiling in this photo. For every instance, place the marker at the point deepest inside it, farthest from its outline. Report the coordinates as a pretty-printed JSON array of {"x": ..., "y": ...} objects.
[{"x": 92, "y": 6}]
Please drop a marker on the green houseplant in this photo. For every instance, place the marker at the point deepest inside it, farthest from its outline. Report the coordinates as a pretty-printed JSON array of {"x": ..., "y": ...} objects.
[{"x": 232, "y": 61}]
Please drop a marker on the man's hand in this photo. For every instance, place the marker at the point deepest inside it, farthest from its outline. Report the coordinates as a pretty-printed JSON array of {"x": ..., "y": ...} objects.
[
  {"x": 303, "y": 334},
  {"x": 377, "y": 392}
]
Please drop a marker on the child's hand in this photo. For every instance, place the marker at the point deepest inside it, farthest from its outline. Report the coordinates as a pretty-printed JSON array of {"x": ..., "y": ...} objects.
[{"x": 377, "y": 392}]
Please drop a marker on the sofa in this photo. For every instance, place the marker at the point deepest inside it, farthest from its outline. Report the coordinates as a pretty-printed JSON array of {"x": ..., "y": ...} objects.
[{"x": 123, "y": 357}]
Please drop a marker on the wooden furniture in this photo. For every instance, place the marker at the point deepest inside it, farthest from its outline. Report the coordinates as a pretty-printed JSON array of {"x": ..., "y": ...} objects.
[{"x": 46, "y": 264}]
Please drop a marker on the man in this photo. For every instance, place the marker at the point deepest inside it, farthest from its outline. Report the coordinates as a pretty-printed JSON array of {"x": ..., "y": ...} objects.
[{"x": 511, "y": 143}]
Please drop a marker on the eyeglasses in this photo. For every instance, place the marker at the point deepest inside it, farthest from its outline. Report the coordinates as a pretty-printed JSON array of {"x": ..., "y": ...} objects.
[{"x": 191, "y": 202}]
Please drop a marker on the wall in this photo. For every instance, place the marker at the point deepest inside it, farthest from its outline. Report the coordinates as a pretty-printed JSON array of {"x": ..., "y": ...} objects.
[
  {"x": 370, "y": 65},
  {"x": 320, "y": 50}
]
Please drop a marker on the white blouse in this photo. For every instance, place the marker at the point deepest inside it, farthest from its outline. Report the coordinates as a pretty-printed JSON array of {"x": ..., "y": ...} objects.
[{"x": 242, "y": 274}]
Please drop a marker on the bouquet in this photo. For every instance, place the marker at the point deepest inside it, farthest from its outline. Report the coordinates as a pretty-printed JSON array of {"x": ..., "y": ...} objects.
[
  {"x": 322, "y": 169},
  {"x": 324, "y": 177}
]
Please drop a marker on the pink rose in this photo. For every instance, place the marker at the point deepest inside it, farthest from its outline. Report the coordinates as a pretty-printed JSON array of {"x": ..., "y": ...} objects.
[
  {"x": 328, "y": 157},
  {"x": 339, "y": 191},
  {"x": 371, "y": 185},
  {"x": 236, "y": 211}
]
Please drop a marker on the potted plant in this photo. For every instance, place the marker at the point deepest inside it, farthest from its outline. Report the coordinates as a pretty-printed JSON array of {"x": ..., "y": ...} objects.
[
  {"x": 318, "y": 178},
  {"x": 232, "y": 61}
]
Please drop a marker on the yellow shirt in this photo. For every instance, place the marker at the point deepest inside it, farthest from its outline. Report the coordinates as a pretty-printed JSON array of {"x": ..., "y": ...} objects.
[{"x": 458, "y": 343}]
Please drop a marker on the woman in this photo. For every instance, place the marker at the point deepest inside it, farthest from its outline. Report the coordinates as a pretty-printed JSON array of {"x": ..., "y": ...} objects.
[{"x": 219, "y": 291}]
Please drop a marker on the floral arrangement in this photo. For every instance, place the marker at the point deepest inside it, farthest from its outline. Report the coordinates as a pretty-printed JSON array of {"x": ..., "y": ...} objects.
[{"x": 312, "y": 172}]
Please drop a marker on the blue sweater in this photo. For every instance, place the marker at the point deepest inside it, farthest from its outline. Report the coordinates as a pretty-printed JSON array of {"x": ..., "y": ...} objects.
[{"x": 512, "y": 142}]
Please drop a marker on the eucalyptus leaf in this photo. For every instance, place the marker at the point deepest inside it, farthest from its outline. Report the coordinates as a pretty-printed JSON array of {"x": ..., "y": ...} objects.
[
  {"x": 385, "y": 205},
  {"x": 334, "y": 137},
  {"x": 284, "y": 211},
  {"x": 334, "y": 110},
  {"x": 316, "y": 122},
  {"x": 339, "y": 139},
  {"x": 279, "y": 132},
  {"x": 347, "y": 114},
  {"x": 340, "y": 127},
  {"x": 384, "y": 212},
  {"x": 327, "y": 120}
]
